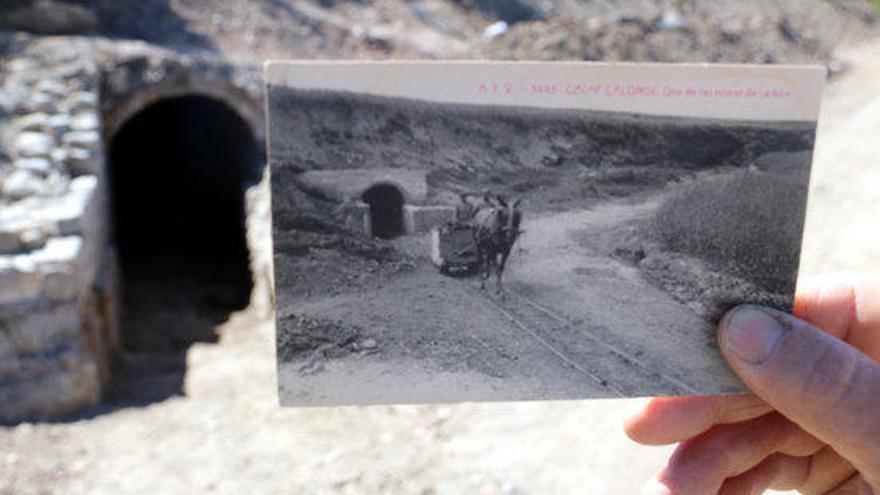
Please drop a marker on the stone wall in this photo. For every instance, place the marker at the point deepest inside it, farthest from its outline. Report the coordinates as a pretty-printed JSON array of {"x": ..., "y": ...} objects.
[
  {"x": 61, "y": 101},
  {"x": 421, "y": 219},
  {"x": 137, "y": 74},
  {"x": 350, "y": 184},
  {"x": 57, "y": 274}
]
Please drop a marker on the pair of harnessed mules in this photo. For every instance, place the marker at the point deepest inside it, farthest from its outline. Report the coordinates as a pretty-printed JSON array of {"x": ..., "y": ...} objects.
[{"x": 498, "y": 228}]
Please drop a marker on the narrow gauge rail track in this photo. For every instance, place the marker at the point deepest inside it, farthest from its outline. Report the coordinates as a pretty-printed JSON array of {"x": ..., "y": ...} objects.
[{"x": 606, "y": 364}]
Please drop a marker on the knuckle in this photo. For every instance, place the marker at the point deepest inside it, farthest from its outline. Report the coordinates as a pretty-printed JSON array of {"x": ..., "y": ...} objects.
[
  {"x": 843, "y": 392},
  {"x": 829, "y": 381},
  {"x": 696, "y": 466}
]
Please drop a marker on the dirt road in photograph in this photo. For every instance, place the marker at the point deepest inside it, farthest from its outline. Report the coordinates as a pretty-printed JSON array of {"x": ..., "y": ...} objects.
[
  {"x": 571, "y": 322},
  {"x": 564, "y": 264}
]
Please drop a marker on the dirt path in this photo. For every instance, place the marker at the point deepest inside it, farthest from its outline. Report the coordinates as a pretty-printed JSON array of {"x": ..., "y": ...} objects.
[
  {"x": 436, "y": 339},
  {"x": 612, "y": 367},
  {"x": 610, "y": 299},
  {"x": 574, "y": 323}
]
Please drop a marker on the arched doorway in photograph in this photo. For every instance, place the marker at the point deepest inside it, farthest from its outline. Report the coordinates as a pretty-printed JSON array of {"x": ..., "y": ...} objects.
[
  {"x": 179, "y": 168},
  {"x": 386, "y": 210}
]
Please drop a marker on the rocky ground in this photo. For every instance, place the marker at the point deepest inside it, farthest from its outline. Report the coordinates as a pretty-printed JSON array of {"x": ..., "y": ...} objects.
[
  {"x": 691, "y": 30},
  {"x": 225, "y": 434},
  {"x": 650, "y": 30}
]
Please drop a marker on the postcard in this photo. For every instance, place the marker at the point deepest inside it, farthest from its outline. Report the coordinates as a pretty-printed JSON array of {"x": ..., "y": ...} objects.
[{"x": 476, "y": 231}]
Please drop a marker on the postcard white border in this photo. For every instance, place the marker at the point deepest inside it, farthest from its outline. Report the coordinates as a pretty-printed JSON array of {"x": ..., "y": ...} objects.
[{"x": 718, "y": 91}]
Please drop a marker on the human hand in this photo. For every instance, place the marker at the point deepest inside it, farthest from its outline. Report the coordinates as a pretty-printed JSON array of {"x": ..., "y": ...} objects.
[{"x": 813, "y": 423}]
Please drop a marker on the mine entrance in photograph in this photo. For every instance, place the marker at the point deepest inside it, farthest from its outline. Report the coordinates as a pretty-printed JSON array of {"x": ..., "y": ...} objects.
[
  {"x": 179, "y": 169},
  {"x": 386, "y": 210}
]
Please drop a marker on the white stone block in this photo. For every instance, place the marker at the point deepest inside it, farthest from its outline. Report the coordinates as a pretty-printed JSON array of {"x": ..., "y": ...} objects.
[
  {"x": 59, "y": 123},
  {"x": 74, "y": 212},
  {"x": 22, "y": 183},
  {"x": 81, "y": 139},
  {"x": 60, "y": 250},
  {"x": 87, "y": 121},
  {"x": 31, "y": 143},
  {"x": 421, "y": 219},
  {"x": 37, "y": 165},
  {"x": 355, "y": 216}
]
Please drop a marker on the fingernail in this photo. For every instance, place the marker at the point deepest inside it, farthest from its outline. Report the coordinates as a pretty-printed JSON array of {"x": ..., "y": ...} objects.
[
  {"x": 750, "y": 334},
  {"x": 654, "y": 487}
]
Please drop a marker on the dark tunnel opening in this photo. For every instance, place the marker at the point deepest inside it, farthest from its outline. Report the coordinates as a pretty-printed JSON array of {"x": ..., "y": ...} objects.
[
  {"x": 386, "y": 210},
  {"x": 178, "y": 174}
]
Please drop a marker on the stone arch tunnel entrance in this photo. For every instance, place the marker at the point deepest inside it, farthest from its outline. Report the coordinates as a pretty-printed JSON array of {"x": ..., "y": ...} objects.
[
  {"x": 178, "y": 172},
  {"x": 386, "y": 210}
]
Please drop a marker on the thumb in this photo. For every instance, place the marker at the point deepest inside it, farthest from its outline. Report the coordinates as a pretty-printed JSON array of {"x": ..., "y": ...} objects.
[{"x": 827, "y": 387}]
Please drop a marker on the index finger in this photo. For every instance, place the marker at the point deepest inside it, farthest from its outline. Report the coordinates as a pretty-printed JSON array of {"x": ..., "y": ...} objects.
[{"x": 666, "y": 420}]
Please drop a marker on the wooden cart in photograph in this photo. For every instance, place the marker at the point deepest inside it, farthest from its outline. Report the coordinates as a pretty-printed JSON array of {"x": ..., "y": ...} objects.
[{"x": 454, "y": 249}]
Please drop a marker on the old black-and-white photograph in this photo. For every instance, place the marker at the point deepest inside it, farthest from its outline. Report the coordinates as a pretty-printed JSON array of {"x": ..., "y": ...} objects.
[{"x": 440, "y": 251}]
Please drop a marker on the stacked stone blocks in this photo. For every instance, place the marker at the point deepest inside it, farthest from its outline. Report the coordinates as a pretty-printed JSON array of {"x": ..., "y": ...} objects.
[{"x": 57, "y": 276}]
